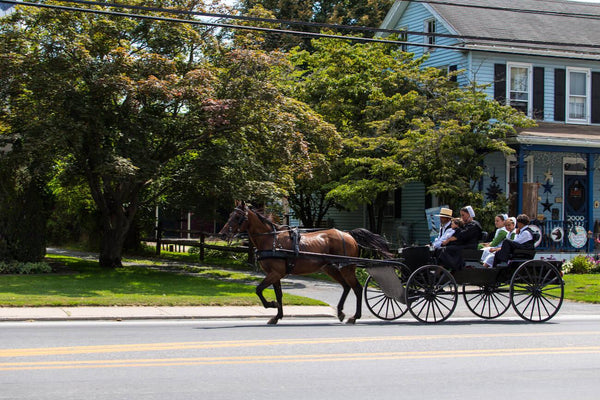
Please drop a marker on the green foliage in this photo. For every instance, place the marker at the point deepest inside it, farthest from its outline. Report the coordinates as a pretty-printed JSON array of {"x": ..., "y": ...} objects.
[
  {"x": 581, "y": 264},
  {"x": 369, "y": 13},
  {"x": 24, "y": 268}
]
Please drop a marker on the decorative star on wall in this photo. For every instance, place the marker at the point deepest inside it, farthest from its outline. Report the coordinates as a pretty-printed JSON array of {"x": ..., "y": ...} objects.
[
  {"x": 547, "y": 187},
  {"x": 547, "y": 205}
]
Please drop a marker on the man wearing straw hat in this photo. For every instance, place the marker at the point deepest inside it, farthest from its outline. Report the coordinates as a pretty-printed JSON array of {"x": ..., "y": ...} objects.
[
  {"x": 445, "y": 230},
  {"x": 467, "y": 238}
]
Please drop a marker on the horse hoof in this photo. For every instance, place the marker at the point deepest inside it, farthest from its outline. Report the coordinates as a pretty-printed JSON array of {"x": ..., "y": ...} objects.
[
  {"x": 351, "y": 321},
  {"x": 341, "y": 316},
  {"x": 273, "y": 321}
]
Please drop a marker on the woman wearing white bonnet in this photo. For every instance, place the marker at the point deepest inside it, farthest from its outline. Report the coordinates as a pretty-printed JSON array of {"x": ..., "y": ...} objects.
[{"x": 466, "y": 238}]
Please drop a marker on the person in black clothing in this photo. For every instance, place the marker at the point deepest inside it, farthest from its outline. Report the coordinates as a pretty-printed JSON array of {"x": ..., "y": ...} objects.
[
  {"x": 450, "y": 255},
  {"x": 524, "y": 239}
]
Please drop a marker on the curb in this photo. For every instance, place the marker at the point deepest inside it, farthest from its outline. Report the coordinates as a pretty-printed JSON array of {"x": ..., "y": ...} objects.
[{"x": 31, "y": 314}]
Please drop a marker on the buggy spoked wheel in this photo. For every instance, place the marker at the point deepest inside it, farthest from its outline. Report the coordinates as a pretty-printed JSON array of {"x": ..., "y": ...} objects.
[
  {"x": 536, "y": 290},
  {"x": 381, "y": 305},
  {"x": 431, "y": 294},
  {"x": 487, "y": 301}
]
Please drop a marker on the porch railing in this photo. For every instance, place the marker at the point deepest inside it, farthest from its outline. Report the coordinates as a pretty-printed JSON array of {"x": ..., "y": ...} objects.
[{"x": 554, "y": 239}]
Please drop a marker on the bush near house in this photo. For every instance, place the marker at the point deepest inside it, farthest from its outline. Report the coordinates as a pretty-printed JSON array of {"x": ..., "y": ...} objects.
[{"x": 582, "y": 264}]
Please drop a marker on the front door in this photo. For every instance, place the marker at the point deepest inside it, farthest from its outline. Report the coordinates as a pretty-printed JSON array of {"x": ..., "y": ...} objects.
[
  {"x": 576, "y": 210},
  {"x": 575, "y": 198}
]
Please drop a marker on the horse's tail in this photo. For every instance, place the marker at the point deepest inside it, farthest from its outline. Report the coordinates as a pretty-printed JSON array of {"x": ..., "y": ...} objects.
[{"x": 371, "y": 241}]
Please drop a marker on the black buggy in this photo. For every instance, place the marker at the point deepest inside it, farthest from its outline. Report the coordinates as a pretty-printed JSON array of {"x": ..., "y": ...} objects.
[{"x": 534, "y": 288}]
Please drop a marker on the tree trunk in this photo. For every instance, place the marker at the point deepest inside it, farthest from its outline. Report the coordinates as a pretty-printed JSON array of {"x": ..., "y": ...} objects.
[{"x": 115, "y": 228}]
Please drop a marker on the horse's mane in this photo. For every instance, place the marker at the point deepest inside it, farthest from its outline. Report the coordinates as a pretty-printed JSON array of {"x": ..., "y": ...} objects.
[{"x": 268, "y": 220}]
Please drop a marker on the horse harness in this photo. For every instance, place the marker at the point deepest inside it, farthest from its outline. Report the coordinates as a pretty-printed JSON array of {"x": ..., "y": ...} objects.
[{"x": 290, "y": 257}]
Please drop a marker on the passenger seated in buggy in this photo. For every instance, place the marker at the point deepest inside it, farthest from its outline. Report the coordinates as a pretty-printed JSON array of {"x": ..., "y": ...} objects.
[
  {"x": 525, "y": 239},
  {"x": 450, "y": 255}
]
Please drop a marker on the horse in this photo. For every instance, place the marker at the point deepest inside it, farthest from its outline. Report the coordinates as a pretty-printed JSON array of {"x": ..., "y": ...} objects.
[{"x": 267, "y": 237}]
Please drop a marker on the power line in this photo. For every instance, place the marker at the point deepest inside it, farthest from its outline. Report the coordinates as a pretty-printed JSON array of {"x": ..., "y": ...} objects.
[
  {"x": 283, "y": 31},
  {"x": 332, "y": 26},
  {"x": 220, "y": 25}
]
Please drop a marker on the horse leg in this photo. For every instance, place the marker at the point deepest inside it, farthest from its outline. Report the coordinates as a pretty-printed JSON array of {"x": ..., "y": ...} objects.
[
  {"x": 349, "y": 275},
  {"x": 279, "y": 297},
  {"x": 335, "y": 274},
  {"x": 271, "y": 279}
]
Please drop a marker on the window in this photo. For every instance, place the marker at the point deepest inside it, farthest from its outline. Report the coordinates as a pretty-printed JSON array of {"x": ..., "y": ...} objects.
[
  {"x": 578, "y": 99},
  {"x": 429, "y": 28},
  {"x": 403, "y": 37},
  {"x": 519, "y": 87},
  {"x": 574, "y": 166}
]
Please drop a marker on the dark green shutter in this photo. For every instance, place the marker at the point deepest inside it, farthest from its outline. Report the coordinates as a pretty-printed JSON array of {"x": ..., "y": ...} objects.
[
  {"x": 560, "y": 90},
  {"x": 500, "y": 83},
  {"x": 538, "y": 93}
]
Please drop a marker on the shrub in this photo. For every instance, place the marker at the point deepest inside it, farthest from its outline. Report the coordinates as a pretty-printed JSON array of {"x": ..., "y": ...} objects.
[
  {"x": 24, "y": 268},
  {"x": 582, "y": 264}
]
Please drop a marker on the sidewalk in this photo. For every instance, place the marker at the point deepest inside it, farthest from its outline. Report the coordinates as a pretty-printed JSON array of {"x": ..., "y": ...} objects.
[{"x": 138, "y": 313}]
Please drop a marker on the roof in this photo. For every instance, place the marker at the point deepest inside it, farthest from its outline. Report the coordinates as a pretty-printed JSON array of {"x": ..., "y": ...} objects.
[
  {"x": 560, "y": 134},
  {"x": 500, "y": 22}
]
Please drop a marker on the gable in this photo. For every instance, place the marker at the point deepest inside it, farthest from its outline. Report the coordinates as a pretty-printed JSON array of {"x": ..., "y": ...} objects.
[{"x": 545, "y": 24}]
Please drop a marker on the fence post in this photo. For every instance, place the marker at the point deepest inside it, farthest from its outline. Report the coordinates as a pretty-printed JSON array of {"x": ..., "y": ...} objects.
[
  {"x": 202, "y": 246},
  {"x": 158, "y": 238}
]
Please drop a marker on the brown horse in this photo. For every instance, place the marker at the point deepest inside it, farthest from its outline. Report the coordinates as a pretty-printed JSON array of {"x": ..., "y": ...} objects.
[{"x": 267, "y": 237}]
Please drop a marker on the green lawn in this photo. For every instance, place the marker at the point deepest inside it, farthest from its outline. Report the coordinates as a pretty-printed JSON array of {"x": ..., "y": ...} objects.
[
  {"x": 582, "y": 287},
  {"x": 83, "y": 283}
]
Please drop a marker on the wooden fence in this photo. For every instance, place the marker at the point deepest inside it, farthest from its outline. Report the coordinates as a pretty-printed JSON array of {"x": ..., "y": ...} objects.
[{"x": 177, "y": 244}]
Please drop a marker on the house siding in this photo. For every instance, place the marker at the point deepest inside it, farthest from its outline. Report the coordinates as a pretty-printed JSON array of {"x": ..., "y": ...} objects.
[
  {"x": 413, "y": 20},
  {"x": 483, "y": 72}
]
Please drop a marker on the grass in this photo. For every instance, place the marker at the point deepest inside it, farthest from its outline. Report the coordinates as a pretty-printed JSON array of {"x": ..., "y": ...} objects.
[
  {"x": 83, "y": 283},
  {"x": 582, "y": 287}
]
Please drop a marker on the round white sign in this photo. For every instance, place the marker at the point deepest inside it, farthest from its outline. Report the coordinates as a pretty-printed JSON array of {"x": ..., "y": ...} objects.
[{"x": 577, "y": 237}]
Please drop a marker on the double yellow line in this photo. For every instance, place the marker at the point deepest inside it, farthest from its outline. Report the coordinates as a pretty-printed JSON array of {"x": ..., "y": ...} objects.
[
  {"x": 297, "y": 358},
  {"x": 10, "y": 365}
]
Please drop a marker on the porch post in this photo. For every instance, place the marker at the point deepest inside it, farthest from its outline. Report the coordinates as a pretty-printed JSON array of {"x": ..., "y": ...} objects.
[
  {"x": 590, "y": 199},
  {"x": 520, "y": 176}
]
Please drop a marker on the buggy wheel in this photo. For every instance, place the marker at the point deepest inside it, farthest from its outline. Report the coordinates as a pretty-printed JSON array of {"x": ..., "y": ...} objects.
[
  {"x": 431, "y": 294},
  {"x": 487, "y": 301},
  {"x": 381, "y": 305},
  {"x": 536, "y": 290}
]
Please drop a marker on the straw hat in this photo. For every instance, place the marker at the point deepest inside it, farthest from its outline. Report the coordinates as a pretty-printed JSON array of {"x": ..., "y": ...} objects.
[{"x": 445, "y": 213}]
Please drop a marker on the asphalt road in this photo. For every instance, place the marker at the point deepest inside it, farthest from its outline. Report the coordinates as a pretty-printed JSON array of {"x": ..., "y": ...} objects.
[{"x": 465, "y": 358}]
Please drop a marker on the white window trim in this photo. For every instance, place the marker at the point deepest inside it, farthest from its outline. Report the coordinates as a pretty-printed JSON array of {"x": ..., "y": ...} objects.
[
  {"x": 588, "y": 100},
  {"x": 529, "y": 162},
  {"x": 427, "y": 36},
  {"x": 529, "y": 84}
]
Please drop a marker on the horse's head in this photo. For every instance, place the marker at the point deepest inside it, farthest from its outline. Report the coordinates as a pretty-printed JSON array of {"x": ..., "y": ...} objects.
[{"x": 237, "y": 222}]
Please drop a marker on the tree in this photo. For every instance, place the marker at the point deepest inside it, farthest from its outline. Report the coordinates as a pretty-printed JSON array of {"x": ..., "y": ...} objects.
[
  {"x": 116, "y": 99},
  {"x": 401, "y": 122},
  {"x": 365, "y": 13},
  {"x": 274, "y": 141}
]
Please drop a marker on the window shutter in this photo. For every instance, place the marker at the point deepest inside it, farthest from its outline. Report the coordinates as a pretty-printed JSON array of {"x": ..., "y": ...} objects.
[
  {"x": 560, "y": 89},
  {"x": 595, "y": 97},
  {"x": 453, "y": 68},
  {"x": 500, "y": 83},
  {"x": 398, "y": 203},
  {"x": 538, "y": 93}
]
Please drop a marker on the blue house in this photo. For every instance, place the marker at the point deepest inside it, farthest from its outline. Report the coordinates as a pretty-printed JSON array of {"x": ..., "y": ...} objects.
[
  {"x": 543, "y": 58},
  {"x": 5, "y": 8}
]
